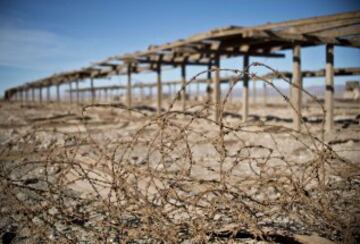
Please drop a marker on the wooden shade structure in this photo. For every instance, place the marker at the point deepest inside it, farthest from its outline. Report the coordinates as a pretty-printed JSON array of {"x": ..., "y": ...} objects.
[{"x": 209, "y": 48}]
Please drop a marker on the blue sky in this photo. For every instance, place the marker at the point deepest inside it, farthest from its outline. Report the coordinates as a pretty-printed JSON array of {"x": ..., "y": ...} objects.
[{"x": 39, "y": 38}]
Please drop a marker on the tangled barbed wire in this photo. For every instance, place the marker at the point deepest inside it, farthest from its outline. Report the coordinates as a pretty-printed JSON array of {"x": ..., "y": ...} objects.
[{"x": 176, "y": 177}]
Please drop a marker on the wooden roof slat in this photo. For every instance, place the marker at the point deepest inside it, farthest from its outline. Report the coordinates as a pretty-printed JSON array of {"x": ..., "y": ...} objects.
[{"x": 316, "y": 28}]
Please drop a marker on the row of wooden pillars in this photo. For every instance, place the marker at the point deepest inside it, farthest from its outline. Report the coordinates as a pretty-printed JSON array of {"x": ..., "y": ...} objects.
[
  {"x": 214, "y": 75},
  {"x": 296, "y": 88}
]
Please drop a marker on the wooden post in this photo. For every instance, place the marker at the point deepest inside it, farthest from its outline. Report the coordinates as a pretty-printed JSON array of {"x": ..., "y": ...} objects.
[
  {"x": 296, "y": 88},
  {"x": 33, "y": 95},
  {"x": 245, "y": 95},
  {"x": 169, "y": 91},
  {"x": 142, "y": 92},
  {"x": 106, "y": 95},
  {"x": 129, "y": 86},
  {"x": 159, "y": 89},
  {"x": 92, "y": 90},
  {"x": 329, "y": 91},
  {"x": 190, "y": 90},
  {"x": 231, "y": 83},
  {"x": 183, "y": 90},
  {"x": 48, "y": 94},
  {"x": 40, "y": 94},
  {"x": 77, "y": 92},
  {"x": 58, "y": 93},
  {"x": 254, "y": 92},
  {"x": 27, "y": 95},
  {"x": 209, "y": 79},
  {"x": 70, "y": 92},
  {"x": 175, "y": 91},
  {"x": 217, "y": 88},
  {"x": 197, "y": 90},
  {"x": 265, "y": 93},
  {"x": 22, "y": 96}
]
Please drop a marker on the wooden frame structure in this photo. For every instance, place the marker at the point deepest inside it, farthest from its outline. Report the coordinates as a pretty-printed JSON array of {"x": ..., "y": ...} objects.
[
  {"x": 223, "y": 80},
  {"x": 207, "y": 49}
]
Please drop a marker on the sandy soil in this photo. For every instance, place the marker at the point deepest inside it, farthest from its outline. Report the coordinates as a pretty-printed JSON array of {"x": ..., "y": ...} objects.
[{"x": 102, "y": 174}]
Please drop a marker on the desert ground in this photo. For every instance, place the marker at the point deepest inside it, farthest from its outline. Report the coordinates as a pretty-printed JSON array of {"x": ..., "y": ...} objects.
[{"x": 103, "y": 173}]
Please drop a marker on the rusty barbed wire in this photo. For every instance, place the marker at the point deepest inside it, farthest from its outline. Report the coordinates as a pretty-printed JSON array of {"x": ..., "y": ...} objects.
[{"x": 178, "y": 176}]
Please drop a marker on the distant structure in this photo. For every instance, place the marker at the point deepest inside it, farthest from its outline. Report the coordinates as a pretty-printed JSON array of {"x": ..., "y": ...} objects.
[
  {"x": 352, "y": 90},
  {"x": 207, "y": 49}
]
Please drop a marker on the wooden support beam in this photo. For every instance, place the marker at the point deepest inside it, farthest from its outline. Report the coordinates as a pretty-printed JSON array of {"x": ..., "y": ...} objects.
[
  {"x": 159, "y": 89},
  {"x": 106, "y": 95},
  {"x": 169, "y": 91},
  {"x": 58, "y": 93},
  {"x": 296, "y": 92},
  {"x": 254, "y": 92},
  {"x": 70, "y": 93},
  {"x": 227, "y": 50},
  {"x": 150, "y": 92},
  {"x": 33, "y": 95},
  {"x": 217, "y": 88},
  {"x": 40, "y": 95},
  {"x": 329, "y": 91},
  {"x": 22, "y": 96},
  {"x": 48, "y": 93},
  {"x": 265, "y": 93},
  {"x": 77, "y": 92},
  {"x": 209, "y": 81},
  {"x": 175, "y": 91},
  {"x": 128, "y": 88},
  {"x": 197, "y": 90},
  {"x": 93, "y": 94},
  {"x": 27, "y": 95},
  {"x": 189, "y": 91},
  {"x": 183, "y": 88},
  {"x": 231, "y": 83},
  {"x": 142, "y": 92},
  {"x": 173, "y": 63},
  {"x": 245, "y": 93}
]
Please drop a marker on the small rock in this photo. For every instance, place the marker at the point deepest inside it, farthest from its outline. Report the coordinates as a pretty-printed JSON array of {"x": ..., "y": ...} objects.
[
  {"x": 31, "y": 181},
  {"x": 8, "y": 237},
  {"x": 37, "y": 221},
  {"x": 312, "y": 239},
  {"x": 21, "y": 196},
  {"x": 135, "y": 158},
  {"x": 53, "y": 211}
]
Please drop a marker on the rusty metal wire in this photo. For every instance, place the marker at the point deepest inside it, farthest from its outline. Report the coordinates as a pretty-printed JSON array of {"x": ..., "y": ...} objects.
[{"x": 176, "y": 176}]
